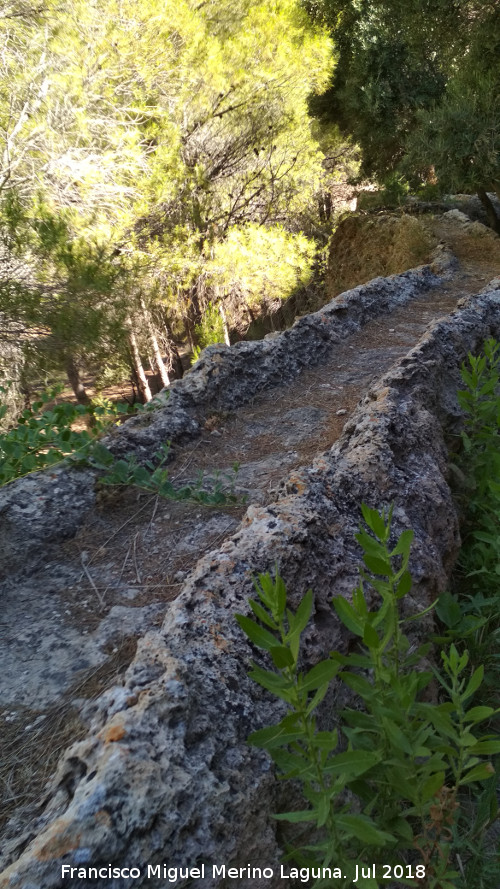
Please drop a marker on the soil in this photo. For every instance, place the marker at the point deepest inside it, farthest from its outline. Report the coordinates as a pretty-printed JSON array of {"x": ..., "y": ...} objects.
[{"x": 65, "y": 644}]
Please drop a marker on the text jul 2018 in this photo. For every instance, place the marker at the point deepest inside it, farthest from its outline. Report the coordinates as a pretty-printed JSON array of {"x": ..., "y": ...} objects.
[{"x": 222, "y": 871}]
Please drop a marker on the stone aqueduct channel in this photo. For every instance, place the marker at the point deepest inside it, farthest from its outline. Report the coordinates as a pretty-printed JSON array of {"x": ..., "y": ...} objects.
[{"x": 125, "y": 702}]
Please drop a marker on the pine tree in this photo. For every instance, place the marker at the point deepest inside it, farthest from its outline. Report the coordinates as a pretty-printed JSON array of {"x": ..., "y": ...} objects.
[{"x": 146, "y": 133}]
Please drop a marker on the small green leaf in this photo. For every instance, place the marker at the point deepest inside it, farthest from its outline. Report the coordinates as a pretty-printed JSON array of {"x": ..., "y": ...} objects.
[
  {"x": 264, "y": 586},
  {"x": 280, "y": 593},
  {"x": 275, "y": 736},
  {"x": 296, "y": 817},
  {"x": 481, "y": 772},
  {"x": 282, "y": 657},
  {"x": 317, "y": 698},
  {"x": 322, "y": 673},
  {"x": 29, "y": 463},
  {"x": 258, "y": 635},
  {"x": 404, "y": 586},
  {"x": 364, "y": 829},
  {"x": 377, "y": 565},
  {"x": 323, "y": 811},
  {"x": 274, "y": 682},
  {"x": 119, "y": 474},
  {"x": 358, "y": 684},
  {"x": 474, "y": 683},
  {"x": 478, "y": 714},
  {"x": 347, "y": 615},
  {"x": 262, "y": 614},
  {"x": 374, "y": 521},
  {"x": 404, "y": 543},
  {"x": 396, "y": 736},
  {"x": 370, "y": 545},
  {"x": 440, "y": 719},
  {"x": 431, "y": 787},
  {"x": 102, "y": 455},
  {"x": 301, "y": 617},
  {"x": 403, "y": 829},
  {"x": 326, "y": 740},
  {"x": 370, "y": 637},
  {"x": 448, "y": 610},
  {"x": 141, "y": 477},
  {"x": 484, "y": 748},
  {"x": 359, "y": 601},
  {"x": 352, "y": 764}
]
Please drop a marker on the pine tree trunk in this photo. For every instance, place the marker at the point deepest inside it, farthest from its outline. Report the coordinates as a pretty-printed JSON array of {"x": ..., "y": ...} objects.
[
  {"x": 162, "y": 368},
  {"x": 491, "y": 213},
  {"x": 157, "y": 356},
  {"x": 173, "y": 350},
  {"x": 224, "y": 324},
  {"x": 134, "y": 382},
  {"x": 73, "y": 372},
  {"x": 142, "y": 380}
]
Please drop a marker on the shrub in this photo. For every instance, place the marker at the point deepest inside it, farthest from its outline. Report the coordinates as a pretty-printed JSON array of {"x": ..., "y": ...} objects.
[
  {"x": 44, "y": 436},
  {"x": 385, "y": 786}
]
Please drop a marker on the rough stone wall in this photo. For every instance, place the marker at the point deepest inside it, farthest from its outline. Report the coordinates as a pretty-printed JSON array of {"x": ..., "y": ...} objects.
[
  {"x": 165, "y": 774},
  {"x": 227, "y": 377},
  {"x": 38, "y": 512}
]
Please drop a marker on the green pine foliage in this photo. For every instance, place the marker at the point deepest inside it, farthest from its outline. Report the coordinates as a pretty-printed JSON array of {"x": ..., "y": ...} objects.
[
  {"x": 261, "y": 263},
  {"x": 144, "y": 148},
  {"x": 210, "y": 330}
]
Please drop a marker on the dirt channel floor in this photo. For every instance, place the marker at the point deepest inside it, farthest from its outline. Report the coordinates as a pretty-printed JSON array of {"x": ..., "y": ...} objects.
[{"x": 70, "y": 631}]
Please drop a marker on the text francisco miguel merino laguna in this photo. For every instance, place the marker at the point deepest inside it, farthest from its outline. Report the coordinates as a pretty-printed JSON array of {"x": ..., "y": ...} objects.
[{"x": 173, "y": 874}]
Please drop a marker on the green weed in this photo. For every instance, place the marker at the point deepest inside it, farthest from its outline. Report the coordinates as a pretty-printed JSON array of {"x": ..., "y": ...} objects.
[
  {"x": 152, "y": 476},
  {"x": 385, "y": 786},
  {"x": 472, "y": 611},
  {"x": 42, "y": 438}
]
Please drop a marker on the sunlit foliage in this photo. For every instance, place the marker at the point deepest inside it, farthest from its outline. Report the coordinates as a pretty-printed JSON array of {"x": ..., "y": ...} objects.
[{"x": 146, "y": 132}]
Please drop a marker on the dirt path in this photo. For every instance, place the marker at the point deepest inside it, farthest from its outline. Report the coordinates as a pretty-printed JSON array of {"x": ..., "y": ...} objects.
[{"x": 71, "y": 630}]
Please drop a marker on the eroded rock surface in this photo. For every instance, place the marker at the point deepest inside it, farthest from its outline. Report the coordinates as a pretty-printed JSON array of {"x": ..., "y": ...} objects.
[
  {"x": 38, "y": 511},
  {"x": 227, "y": 377},
  {"x": 161, "y": 771},
  {"x": 48, "y": 507},
  {"x": 165, "y": 768}
]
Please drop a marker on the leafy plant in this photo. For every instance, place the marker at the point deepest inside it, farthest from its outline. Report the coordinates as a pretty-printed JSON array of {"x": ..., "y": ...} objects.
[
  {"x": 473, "y": 610},
  {"x": 153, "y": 476},
  {"x": 384, "y": 786},
  {"x": 44, "y": 436},
  {"x": 480, "y": 401}
]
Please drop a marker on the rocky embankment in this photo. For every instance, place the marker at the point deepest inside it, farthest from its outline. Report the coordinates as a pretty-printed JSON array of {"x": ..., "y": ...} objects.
[{"x": 163, "y": 773}]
